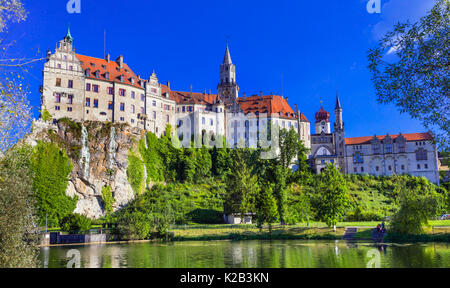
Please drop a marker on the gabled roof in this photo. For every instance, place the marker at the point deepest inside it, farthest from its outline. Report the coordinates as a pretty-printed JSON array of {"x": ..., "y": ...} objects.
[
  {"x": 409, "y": 137},
  {"x": 114, "y": 70},
  {"x": 270, "y": 104},
  {"x": 181, "y": 97}
]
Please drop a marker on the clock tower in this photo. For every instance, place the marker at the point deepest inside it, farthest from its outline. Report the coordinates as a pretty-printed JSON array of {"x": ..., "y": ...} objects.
[{"x": 227, "y": 88}]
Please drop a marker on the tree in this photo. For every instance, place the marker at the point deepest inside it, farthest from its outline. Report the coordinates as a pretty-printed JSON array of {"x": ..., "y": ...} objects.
[
  {"x": 266, "y": 208},
  {"x": 51, "y": 169},
  {"x": 18, "y": 235},
  {"x": 418, "y": 202},
  {"x": 330, "y": 196},
  {"x": 241, "y": 187},
  {"x": 15, "y": 110},
  {"x": 410, "y": 69}
]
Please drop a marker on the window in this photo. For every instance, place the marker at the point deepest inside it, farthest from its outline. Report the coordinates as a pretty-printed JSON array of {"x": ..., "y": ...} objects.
[
  {"x": 426, "y": 166},
  {"x": 377, "y": 168},
  {"x": 388, "y": 148},
  {"x": 70, "y": 99},
  {"x": 70, "y": 84},
  {"x": 71, "y": 68},
  {"x": 211, "y": 122},
  {"x": 153, "y": 90},
  {"x": 110, "y": 105},
  {"x": 142, "y": 110},
  {"x": 401, "y": 147},
  {"x": 142, "y": 97},
  {"x": 358, "y": 157},
  {"x": 88, "y": 87},
  {"x": 154, "y": 115},
  {"x": 362, "y": 169},
  {"x": 122, "y": 118},
  {"x": 418, "y": 166},
  {"x": 167, "y": 118},
  {"x": 88, "y": 72},
  {"x": 132, "y": 94},
  {"x": 69, "y": 109},
  {"x": 107, "y": 75},
  {"x": 354, "y": 170},
  {"x": 57, "y": 98},
  {"x": 390, "y": 168},
  {"x": 95, "y": 103},
  {"x": 88, "y": 102},
  {"x": 154, "y": 104},
  {"x": 403, "y": 167},
  {"x": 376, "y": 148},
  {"x": 132, "y": 109},
  {"x": 110, "y": 90},
  {"x": 122, "y": 92},
  {"x": 421, "y": 154},
  {"x": 57, "y": 108},
  {"x": 122, "y": 106},
  {"x": 58, "y": 82},
  {"x": 95, "y": 88},
  {"x": 59, "y": 66},
  {"x": 203, "y": 120}
]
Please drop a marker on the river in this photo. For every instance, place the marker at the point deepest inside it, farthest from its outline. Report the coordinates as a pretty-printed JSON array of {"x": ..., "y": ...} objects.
[{"x": 250, "y": 254}]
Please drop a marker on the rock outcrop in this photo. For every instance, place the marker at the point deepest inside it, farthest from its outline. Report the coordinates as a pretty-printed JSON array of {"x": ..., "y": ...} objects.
[{"x": 99, "y": 154}]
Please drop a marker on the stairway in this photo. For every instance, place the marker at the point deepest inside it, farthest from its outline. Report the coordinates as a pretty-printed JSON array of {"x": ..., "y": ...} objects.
[{"x": 349, "y": 233}]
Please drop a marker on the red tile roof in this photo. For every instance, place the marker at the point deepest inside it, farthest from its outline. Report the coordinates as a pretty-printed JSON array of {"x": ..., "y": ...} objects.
[
  {"x": 270, "y": 104},
  {"x": 189, "y": 98},
  {"x": 409, "y": 137},
  {"x": 103, "y": 66}
]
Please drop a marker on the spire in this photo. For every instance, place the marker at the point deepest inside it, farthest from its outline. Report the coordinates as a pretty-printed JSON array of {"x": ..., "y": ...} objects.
[
  {"x": 338, "y": 102},
  {"x": 227, "y": 57},
  {"x": 68, "y": 37}
]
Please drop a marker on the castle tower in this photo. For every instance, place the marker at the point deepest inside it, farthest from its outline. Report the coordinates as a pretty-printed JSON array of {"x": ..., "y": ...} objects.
[
  {"x": 339, "y": 134},
  {"x": 322, "y": 121},
  {"x": 228, "y": 89}
]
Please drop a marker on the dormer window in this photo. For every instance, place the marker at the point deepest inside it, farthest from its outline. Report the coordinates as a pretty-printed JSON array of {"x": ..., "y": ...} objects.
[
  {"x": 122, "y": 78},
  {"x": 107, "y": 75},
  {"x": 88, "y": 72},
  {"x": 92, "y": 64},
  {"x": 132, "y": 81},
  {"x": 97, "y": 74}
]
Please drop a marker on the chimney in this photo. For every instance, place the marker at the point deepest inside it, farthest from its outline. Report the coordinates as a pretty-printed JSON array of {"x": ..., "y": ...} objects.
[
  {"x": 191, "y": 91},
  {"x": 119, "y": 61},
  {"x": 287, "y": 100},
  {"x": 168, "y": 84},
  {"x": 296, "y": 109},
  {"x": 209, "y": 91},
  {"x": 108, "y": 57}
]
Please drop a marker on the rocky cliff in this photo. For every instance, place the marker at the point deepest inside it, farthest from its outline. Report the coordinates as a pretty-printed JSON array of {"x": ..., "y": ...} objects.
[{"x": 99, "y": 154}]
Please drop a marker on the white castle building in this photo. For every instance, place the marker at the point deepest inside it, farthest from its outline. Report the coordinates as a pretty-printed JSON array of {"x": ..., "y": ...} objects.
[{"x": 84, "y": 88}]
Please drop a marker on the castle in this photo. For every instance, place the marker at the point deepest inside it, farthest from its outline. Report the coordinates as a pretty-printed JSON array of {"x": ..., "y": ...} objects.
[{"x": 85, "y": 88}]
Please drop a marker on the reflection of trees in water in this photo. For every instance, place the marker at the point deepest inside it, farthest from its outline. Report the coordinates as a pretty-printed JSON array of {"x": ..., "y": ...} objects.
[
  {"x": 413, "y": 256},
  {"x": 290, "y": 254}
]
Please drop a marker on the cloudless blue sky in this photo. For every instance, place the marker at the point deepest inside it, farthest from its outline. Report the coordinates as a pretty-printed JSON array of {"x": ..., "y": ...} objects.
[{"x": 319, "y": 47}]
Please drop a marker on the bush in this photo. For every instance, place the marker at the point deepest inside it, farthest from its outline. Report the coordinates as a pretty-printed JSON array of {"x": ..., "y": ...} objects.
[
  {"x": 205, "y": 216},
  {"x": 134, "y": 225},
  {"x": 75, "y": 223}
]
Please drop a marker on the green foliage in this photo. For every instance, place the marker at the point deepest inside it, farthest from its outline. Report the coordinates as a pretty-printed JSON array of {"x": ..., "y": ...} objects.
[
  {"x": 152, "y": 159},
  {"x": 416, "y": 78},
  {"x": 418, "y": 202},
  {"x": 51, "y": 169},
  {"x": 331, "y": 196},
  {"x": 298, "y": 205},
  {"x": 108, "y": 199},
  {"x": 134, "y": 225},
  {"x": 46, "y": 116},
  {"x": 266, "y": 208},
  {"x": 135, "y": 173},
  {"x": 75, "y": 223},
  {"x": 242, "y": 188},
  {"x": 18, "y": 240}
]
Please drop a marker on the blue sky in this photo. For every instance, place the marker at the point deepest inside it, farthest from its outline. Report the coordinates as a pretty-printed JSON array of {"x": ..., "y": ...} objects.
[{"x": 319, "y": 47}]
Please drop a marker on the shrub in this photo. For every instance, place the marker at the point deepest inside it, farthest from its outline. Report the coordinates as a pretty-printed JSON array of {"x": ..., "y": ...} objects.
[{"x": 75, "y": 223}]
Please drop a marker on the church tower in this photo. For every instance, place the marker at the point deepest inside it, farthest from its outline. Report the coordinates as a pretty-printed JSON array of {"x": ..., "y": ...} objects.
[
  {"x": 339, "y": 134},
  {"x": 228, "y": 89}
]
